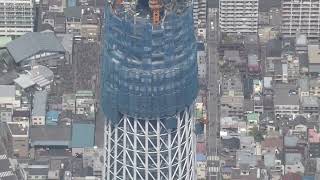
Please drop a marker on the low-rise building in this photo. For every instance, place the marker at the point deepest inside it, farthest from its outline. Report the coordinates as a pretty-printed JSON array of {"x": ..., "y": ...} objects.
[
  {"x": 38, "y": 116},
  {"x": 37, "y": 47},
  {"x": 80, "y": 140},
  {"x": 310, "y": 105},
  {"x": 9, "y": 95},
  {"x": 17, "y": 138},
  {"x": 293, "y": 163},
  {"x": 69, "y": 102},
  {"x": 85, "y": 103},
  {"x": 314, "y": 58},
  {"x": 21, "y": 116},
  {"x": 50, "y": 136},
  {"x": 314, "y": 85},
  {"x": 314, "y": 143},
  {"x": 286, "y": 100},
  {"x": 6, "y": 111}
]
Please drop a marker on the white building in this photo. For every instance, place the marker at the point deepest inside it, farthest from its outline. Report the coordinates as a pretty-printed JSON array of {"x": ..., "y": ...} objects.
[
  {"x": 238, "y": 16},
  {"x": 9, "y": 95},
  {"x": 300, "y": 16},
  {"x": 16, "y": 17},
  {"x": 200, "y": 16}
]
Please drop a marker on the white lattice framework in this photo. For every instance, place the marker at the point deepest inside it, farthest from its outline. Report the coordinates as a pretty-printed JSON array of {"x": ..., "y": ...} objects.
[{"x": 148, "y": 150}]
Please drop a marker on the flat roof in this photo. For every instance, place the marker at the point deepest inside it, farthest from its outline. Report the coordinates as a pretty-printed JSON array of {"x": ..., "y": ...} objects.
[
  {"x": 314, "y": 54},
  {"x": 39, "y": 103},
  {"x": 50, "y": 135},
  {"x": 16, "y": 128},
  {"x": 309, "y": 101},
  {"x": 282, "y": 95},
  {"x": 82, "y": 135},
  {"x": 7, "y": 91}
]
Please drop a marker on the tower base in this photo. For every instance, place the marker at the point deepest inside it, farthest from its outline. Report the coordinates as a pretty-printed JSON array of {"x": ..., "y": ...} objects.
[{"x": 138, "y": 149}]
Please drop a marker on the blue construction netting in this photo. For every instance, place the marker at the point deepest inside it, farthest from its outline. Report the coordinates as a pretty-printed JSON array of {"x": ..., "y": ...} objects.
[{"x": 148, "y": 71}]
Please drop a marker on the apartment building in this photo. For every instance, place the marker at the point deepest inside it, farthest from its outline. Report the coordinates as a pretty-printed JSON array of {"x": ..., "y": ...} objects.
[
  {"x": 239, "y": 16},
  {"x": 300, "y": 16},
  {"x": 200, "y": 16},
  {"x": 16, "y": 17}
]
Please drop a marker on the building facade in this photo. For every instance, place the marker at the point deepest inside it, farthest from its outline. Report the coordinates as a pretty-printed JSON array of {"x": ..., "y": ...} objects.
[
  {"x": 17, "y": 17},
  {"x": 149, "y": 84},
  {"x": 300, "y": 16},
  {"x": 238, "y": 16}
]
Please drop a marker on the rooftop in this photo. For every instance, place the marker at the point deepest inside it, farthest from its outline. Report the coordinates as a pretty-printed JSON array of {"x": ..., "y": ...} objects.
[
  {"x": 4, "y": 40},
  {"x": 314, "y": 54},
  {"x": 282, "y": 95},
  {"x": 293, "y": 158},
  {"x": 39, "y": 103},
  {"x": 72, "y": 12},
  {"x": 246, "y": 158},
  {"x": 16, "y": 128},
  {"x": 7, "y": 91},
  {"x": 309, "y": 101},
  {"x": 274, "y": 48},
  {"x": 82, "y": 135},
  {"x": 33, "y": 43},
  {"x": 50, "y": 135},
  {"x": 313, "y": 136},
  {"x": 291, "y": 141}
]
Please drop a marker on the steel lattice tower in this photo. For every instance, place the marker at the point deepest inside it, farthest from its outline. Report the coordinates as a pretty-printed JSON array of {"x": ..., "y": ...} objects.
[{"x": 149, "y": 83}]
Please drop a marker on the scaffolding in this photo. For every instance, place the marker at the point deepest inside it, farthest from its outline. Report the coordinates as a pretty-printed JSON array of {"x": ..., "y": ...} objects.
[{"x": 149, "y": 70}]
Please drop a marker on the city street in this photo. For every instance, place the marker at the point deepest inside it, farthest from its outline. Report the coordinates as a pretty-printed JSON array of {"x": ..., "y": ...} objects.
[{"x": 213, "y": 164}]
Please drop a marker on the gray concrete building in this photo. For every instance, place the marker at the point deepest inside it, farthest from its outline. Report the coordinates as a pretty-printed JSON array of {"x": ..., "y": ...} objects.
[
  {"x": 16, "y": 17},
  {"x": 239, "y": 16}
]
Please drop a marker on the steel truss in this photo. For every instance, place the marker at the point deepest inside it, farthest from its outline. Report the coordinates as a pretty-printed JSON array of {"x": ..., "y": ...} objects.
[{"x": 148, "y": 150}]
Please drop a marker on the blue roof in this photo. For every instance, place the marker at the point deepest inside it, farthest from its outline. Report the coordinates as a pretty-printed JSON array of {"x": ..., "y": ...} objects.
[
  {"x": 201, "y": 157},
  {"x": 308, "y": 178},
  {"x": 53, "y": 115},
  {"x": 82, "y": 135}
]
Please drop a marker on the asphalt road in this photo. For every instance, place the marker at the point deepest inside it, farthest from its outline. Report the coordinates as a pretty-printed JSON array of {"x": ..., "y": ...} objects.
[{"x": 213, "y": 165}]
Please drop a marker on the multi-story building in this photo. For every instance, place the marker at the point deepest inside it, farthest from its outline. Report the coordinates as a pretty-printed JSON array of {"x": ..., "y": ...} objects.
[
  {"x": 17, "y": 139},
  {"x": 149, "y": 84},
  {"x": 301, "y": 16},
  {"x": 16, "y": 17},
  {"x": 239, "y": 16},
  {"x": 199, "y": 17},
  {"x": 286, "y": 100}
]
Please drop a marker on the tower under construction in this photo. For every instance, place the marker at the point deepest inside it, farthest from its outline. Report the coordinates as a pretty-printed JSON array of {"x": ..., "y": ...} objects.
[{"x": 149, "y": 84}]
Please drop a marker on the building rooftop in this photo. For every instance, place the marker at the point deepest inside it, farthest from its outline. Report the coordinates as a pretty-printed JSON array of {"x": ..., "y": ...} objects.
[
  {"x": 72, "y": 12},
  {"x": 304, "y": 84},
  {"x": 23, "y": 113},
  {"x": 50, "y": 135},
  {"x": 293, "y": 158},
  {"x": 309, "y": 101},
  {"x": 291, "y": 141},
  {"x": 283, "y": 96},
  {"x": 37, "y": 171},
  {"x": 24, "y": 81},
  {"x": 274, "y": 48},
  {"x": 246, "y": 158},
  {"x": 52, "y": 117},
  {"x": 313, "y": 136},
  {"x": 314, "y": 54},
  {"x": 82, "y": 135},
  {"x": 39, "y": 103},
  {"x": 7, "y": 91},
  {"x": 16, "y": 128},
  {"x": 33, "y": 43}
]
